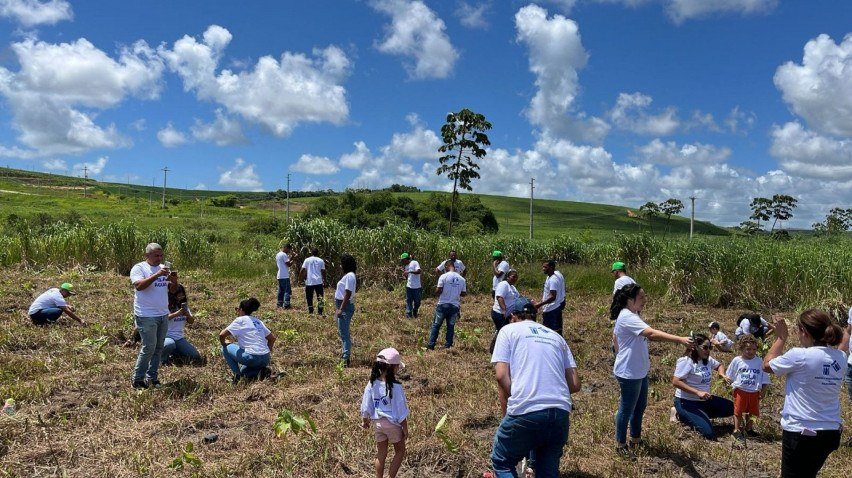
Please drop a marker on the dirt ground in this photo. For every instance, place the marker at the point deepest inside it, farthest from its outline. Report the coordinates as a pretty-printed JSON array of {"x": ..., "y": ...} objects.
[{"x": 78, "y": 417}]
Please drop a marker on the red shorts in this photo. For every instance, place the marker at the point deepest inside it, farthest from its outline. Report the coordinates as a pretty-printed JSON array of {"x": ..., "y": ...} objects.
[{"x": 746, "y": 402}]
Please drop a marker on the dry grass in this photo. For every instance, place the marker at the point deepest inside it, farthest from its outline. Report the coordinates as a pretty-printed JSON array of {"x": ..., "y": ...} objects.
[{"x": 93, "y": 424}]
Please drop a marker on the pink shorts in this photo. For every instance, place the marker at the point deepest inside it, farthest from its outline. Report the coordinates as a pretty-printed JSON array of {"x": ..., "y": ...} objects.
[{"x": 385, "y": 430}]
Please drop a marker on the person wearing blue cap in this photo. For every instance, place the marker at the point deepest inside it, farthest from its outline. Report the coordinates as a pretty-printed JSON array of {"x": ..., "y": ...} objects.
[{"x": 50, "y": 305}]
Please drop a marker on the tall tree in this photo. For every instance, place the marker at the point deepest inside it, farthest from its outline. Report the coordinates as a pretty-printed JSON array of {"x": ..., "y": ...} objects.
[
  {"x": 838, "y": 220},
  {"x": 464, "y": 137},
  {"x": 650, "y": 210},
  {"x": 670, "y": 207},
  {"x": 782, "y": 208},
  {"x": 761, "y": 210}
]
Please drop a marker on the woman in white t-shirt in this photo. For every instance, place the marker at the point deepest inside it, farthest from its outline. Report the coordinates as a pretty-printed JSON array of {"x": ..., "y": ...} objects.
[
  {"x": 693, "y": 374},
  {"x": 505, "y": 295},
  {"x": 849, "y": 353},
  {"x": 344, "y": 304},
  {"x": 810, "y": 419},
  {"x": 632, "y": 363},
  {"x": 249, "y": 356}
]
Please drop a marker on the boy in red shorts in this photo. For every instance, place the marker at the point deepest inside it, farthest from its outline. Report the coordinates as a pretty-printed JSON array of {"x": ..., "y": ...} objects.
[{"x": 746, "y": 375}]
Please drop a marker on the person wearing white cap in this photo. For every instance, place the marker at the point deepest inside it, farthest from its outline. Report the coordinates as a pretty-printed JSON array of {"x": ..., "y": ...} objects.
[
  {"x": 384, "y": 405},
  {"x": 51, "y": 304}
]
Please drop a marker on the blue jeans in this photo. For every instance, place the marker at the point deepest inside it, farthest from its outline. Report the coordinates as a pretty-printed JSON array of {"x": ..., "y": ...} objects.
[
  {"x": 697, "y": 413},
  {"x": 284, "y": 292},
  {"x": 343, "y": 322},
  {"x": 499, "y": 320},
  {"x": 541, "y": 435},
  {"x": 412, "y": 301},
  {"x": 631, "y": 408},
  {"x": 242, "y": 363},
  {"x": 46, "y": 316},
  {"x": 849, "y": 382},
  {"x": 450, "y": 313},
  {"x": 553, "y": 319},
  {"x": 179, "y": 348},
  {"x": 153, "y": 331}
]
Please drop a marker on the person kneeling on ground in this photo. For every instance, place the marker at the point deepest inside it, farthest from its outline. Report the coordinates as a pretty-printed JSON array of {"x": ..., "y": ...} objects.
[
  {"x": 48, "y": 306},
  {"x": 693, "y": 402},
  {"x": 718, "y": 338},
  {"x": 176, "y": 346},
  {"x": 536, "y": 375},
  {"x": 249, "y": 356}
]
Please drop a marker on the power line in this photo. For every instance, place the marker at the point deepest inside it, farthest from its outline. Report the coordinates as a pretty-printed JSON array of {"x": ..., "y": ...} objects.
[
  {"x": 532, "y": 187},
  {"x": 165, "y": 173}
]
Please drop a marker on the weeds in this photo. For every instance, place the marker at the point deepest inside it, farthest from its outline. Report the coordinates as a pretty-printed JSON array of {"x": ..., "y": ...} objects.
[{"x": 287, "y": 421}]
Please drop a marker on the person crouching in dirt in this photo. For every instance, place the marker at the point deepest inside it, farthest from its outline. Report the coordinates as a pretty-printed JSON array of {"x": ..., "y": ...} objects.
[
  {"x": 693, "y": 374},
  {"x": 51, "y": 304},
  {"x": 536, "y": 375},
  {"x": 176, "y": 346},
  {"x": 249, "y": 356}
]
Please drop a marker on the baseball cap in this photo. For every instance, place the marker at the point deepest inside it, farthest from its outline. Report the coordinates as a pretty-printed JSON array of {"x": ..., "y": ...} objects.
[
  {"x": 523, "y": 306},
  {"x": 618, "y": 266},
  {"x": 390, "y": 356},
  {"x": 404, "y": 256},
  {"x": 67, "y": 287},
  {"x": 496, "y": 253}
]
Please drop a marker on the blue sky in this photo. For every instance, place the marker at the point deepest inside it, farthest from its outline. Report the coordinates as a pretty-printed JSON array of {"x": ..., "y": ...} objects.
[{"x": 613, "y": 101}]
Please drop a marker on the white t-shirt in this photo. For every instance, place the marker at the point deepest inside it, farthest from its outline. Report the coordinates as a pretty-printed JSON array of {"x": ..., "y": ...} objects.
[
  {"x": 153, "y": 301},
  {"x": 695, "y": 374},
  {"x": 504, "y": 268},
  {"x": 537, "y": 358},
  {"x": 748, "y": 375},
  {"x": 849, "y": 349},
  {"x": 632, "y": 360},
  {"x": 724, "y": 341},
  {"x": 509, "y": 294},
  {"x": 413, "y": 281},
  {"x": 251, "y": 334},
  {"x": 176, "y": 326},
  {"x": 621, "y": 282},
  {"x": 554, "y": 282},
  {"x": 313, "y": 266},
  {"x": 459, "y": 266},
  {"x": 453, "y": 285},
  {"x": 347, "y": 282},
  {"x": 746, "y": 328},
  {"x": 52, "y": 298},
  {"x": 281, "y": 259},
  {"x": 812, "y": 389},
  {"x": 375, "y": 403}
]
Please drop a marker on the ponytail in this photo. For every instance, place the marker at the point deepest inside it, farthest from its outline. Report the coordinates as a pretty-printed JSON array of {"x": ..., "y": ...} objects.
[
  {"x": 620, "y": 298},
  {"x": 821, "y": 327}
]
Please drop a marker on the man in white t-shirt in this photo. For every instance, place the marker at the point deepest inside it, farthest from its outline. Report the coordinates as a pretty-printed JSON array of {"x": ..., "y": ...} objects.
[
  {"x": 313, "y": 274},
  {"x": 48, "y": 306},
  {"x": 284, "y": 259},
  {"x": 457, "y": 263},
  {"x": 553, "y": 298},
  {"x": 536, "y": 375},
  {"x": 451, "y": 286},
  {"x": 413, "y": 291},
  {"x": 151, "y": 312},
  {"x": 500, "y": 268},
  {"x": 619, "y": 271}
]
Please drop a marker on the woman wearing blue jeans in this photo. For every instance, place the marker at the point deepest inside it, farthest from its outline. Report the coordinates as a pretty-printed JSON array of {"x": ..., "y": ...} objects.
[
  {"x": 344, "y": 304},
  {"x": 632, "y": 363},
  {"x": 694, "y": 403},
  {"x": 249, "y": 356}
]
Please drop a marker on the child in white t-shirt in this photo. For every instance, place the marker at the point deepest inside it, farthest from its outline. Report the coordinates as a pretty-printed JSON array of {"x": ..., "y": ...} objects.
[
  {"x": 720, "y": 341},
  {"x": 745, "y": 374},
  {"x": 384, "y": 405}
]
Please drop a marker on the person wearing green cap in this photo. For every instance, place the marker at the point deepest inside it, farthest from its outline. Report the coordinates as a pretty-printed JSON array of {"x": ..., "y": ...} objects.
[
  {"x": 619, "y": 271},
  {"x": 413, "y": 291},
  {"x": 47, "y": 307},
  {"x": 500, "y": 268}
]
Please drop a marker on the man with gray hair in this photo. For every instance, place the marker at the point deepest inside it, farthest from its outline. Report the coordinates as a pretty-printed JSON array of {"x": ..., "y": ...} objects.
[{"x": 150, "y": 312}]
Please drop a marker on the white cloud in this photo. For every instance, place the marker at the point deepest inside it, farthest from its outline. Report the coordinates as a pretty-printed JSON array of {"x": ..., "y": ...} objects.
[
  {"x": 808, "y": 154},
  {"x": 630, "y": 113},
  {"x": 170, "y": 137},
  {"x": 820, "y": 89},
  {"x": 276, "y": 94},
  {"x": 31, "y": 13},
  {"x": 358, "y": 158},
  {"x": 241, "y": 176},
  {"x": 92, "y": 168},
  {"x": 672, "y": 154},
  {"x": 55, "y": 165},
  {"x": 200, "y": 187},
  {"x": 222, "y": 131},
  {"x": 139, "y": 125},
  {"x": 56, "y": 81},
  {"x": 555, "y": 55},
  {"x": 682, "y": 10},
  {"x": 739, "y": 121},
  {"x": 310, "y": 164},
  {"x": 417, "y": 32},
  {"x": 473, "y": 15}
]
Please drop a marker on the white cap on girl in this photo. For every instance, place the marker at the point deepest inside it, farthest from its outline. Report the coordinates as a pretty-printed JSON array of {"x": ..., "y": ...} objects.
[{"x": 390, "y": 356}]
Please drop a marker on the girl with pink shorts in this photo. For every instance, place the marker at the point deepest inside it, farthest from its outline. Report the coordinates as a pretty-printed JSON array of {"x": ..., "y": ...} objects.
[{"x": 384, "y": 405}]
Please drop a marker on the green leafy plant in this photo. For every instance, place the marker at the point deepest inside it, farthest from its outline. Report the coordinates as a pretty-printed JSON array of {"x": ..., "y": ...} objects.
[
  {"x": 441, "y": 433},
  {"x": 98, "y": 344},
  {"x": 288, "y": 421},
  {"x": 186, "y": 457}
]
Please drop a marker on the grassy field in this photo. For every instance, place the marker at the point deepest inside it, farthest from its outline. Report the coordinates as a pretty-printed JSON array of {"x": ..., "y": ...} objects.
[{"x": 78, "y": 417}]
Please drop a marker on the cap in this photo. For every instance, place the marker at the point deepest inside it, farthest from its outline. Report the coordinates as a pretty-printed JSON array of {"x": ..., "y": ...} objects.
[
  {"x": 618, "y": 266},
  {"x": 67, "y": 287},
  {"x": 390, "y": 356},
  {"x": 404, "y": 256},
  {"x": 523, "y": 306},
  {"x": 496, "y": 253}
]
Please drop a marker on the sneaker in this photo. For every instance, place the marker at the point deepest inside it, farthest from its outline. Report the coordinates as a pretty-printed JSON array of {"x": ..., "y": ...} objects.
[
  {"x": 623, "y": 452},
  {"x": 139, "y": 384},
  {"x": 673, "y": 415}
]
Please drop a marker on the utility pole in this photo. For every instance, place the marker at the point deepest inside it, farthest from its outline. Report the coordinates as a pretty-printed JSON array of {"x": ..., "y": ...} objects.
[
  {"x": 288, "y": 199},
  {"x": 86, "y": 182},
  {"x": 165, "y": 173},
  {"x": 532, "y": 187},
  {"x": 692, "y": 218}
]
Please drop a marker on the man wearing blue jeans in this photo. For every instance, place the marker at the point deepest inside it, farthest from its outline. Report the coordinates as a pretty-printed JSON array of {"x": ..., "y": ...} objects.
[
  {"x": 413, "y": 291},
  {"x": 451, "y": 286},
  {"x": 284, "y": 259},
  {"x": 536, "y": 375},
  {"x": 553, "y": 299},
  {"x": 50, "y": 305},
  {"x": 151, "y": 311}
]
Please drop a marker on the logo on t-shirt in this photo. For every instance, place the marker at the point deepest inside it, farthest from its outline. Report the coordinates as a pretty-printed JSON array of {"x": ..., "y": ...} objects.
[{"x": 826, "y": 367}]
